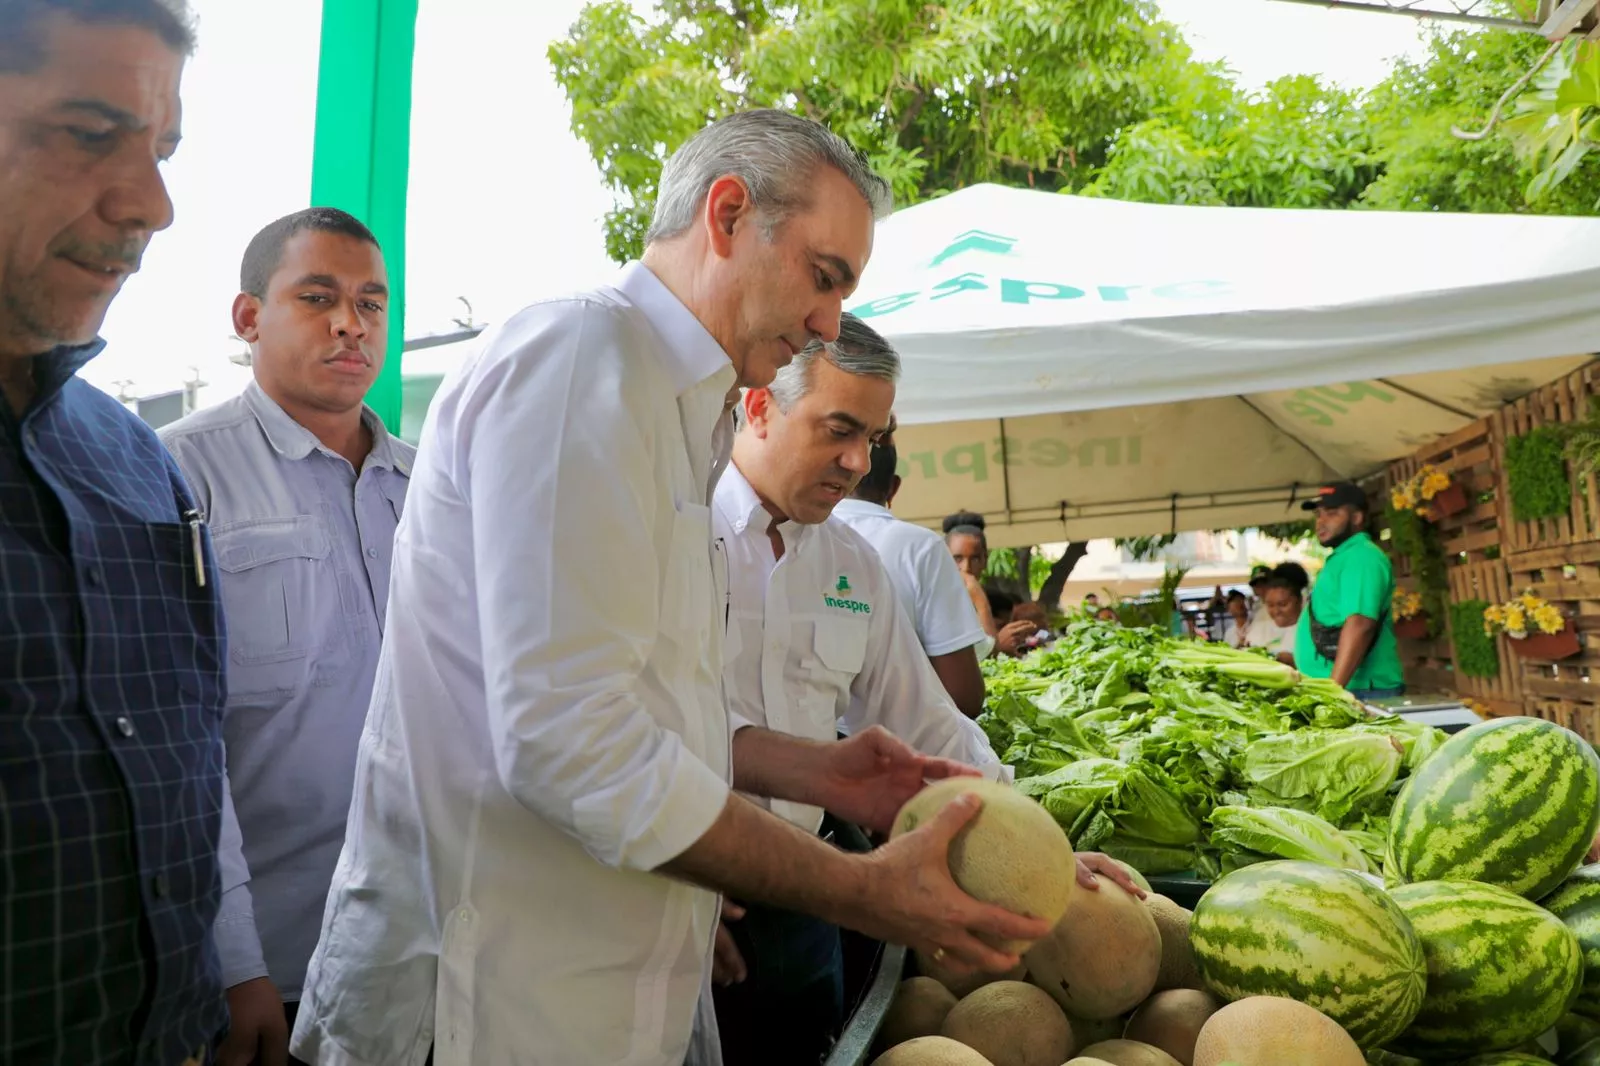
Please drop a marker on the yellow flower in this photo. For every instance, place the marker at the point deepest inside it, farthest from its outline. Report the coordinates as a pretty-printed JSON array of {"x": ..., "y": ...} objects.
[
  {"x": 1549, "y": 619},
  {"x": 1433, "y": 483},
  {"x": 1516, "y": 618},
  {"x": 1530, "y": 601},
  {"x": 1401, "y": 499}
]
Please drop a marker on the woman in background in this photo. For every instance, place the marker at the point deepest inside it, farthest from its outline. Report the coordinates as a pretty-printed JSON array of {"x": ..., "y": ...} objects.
[
  {"x": 1283, "y": 595},
  {"x": 969, "y": 546}
]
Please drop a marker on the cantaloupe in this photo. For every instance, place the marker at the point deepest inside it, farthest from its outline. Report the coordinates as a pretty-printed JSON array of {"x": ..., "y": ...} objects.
[
  {"x": 1138, "y": 878},
  {"x": 1093, "y": 1031},
  {"x": 931, "y": 1051},
  {"x": 1269, "y": 1031},
  {"x": 1102, "y": 958},
  {"x": 1011, "y": 854},
  {"x": 1011, "y": 1023},
  {"x": 963, "y": 985},
  {"x": 1128, "y": 1053},
  {"x": 1172, "y": 1021},
  {"x": 919, "y": 1009},
  {"x": 1177, "y": 956}
]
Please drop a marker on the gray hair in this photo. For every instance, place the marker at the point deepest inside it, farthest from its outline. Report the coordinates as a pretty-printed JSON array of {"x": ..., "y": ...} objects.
[
  {"x": 859, "y": 350},
  {"x": 774, "y": 153}
]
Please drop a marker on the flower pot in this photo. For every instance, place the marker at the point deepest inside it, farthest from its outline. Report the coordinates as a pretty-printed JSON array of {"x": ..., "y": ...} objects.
[
  {"x": 1451, "y": 501},
  {"x": 1415, "y": 628},
  {"x": 1547, "y": 647}
]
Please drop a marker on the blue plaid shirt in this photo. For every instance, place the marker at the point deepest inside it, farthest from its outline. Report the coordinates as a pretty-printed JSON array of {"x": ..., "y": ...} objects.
[{"x": 111, "y": 694}]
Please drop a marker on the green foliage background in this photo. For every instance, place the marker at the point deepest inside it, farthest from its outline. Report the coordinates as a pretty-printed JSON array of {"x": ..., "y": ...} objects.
[{"x": 1095, "y": 97}]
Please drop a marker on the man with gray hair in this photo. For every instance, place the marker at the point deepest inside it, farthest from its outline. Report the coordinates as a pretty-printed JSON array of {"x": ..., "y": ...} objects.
[
  {"x": 545, "y": 805},
  {"x": 817, "y": 642}
]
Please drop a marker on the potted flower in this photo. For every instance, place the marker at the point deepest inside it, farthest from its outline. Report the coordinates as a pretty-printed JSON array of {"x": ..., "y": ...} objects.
[
  {"x": 1431, "y": 493},
  {"x": 1410, "y": 620},
  {"x": 1537, "y": 628}
]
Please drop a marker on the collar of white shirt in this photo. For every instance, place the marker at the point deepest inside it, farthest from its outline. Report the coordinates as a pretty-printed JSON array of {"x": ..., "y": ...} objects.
[
  {"x": 693, "y": 354},
  {"x": 863, "y": 508},
  {"x": 740, "y": 506},
  {"x": 294, "y": 442}
]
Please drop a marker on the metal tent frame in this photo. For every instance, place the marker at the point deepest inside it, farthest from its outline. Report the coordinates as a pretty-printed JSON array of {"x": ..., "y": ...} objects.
[{"x": 1553, "y": 19}]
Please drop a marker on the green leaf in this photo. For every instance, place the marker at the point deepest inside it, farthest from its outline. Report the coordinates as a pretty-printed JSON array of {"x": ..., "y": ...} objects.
[{"x": 1581, "y": 87}]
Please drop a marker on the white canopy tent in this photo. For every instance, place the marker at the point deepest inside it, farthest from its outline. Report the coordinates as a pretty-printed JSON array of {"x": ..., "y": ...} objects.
[{"x": 1079, "y": 368}]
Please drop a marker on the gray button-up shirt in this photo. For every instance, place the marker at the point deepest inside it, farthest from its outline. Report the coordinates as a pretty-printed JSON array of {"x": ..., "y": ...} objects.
[{"x": 303, "y": 545}]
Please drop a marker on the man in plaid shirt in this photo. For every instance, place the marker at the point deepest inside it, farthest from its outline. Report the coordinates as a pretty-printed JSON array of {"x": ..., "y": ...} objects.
[{"x": 111, "y": 683}]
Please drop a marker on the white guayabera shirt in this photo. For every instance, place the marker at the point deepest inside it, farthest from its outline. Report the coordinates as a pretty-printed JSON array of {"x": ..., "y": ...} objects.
[
  {"x": 547, "y": 725},
  {"x": 818, "y": 642}
]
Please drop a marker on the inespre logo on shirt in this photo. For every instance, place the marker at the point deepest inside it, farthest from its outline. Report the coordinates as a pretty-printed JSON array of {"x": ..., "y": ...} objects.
[{"x": 843, "y": 601}]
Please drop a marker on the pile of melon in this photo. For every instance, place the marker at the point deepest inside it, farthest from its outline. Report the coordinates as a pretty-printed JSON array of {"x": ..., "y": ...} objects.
[{"x": 1482, "y": 949}]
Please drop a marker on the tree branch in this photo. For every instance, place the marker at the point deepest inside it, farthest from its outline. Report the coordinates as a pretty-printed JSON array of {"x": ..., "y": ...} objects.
[{"x": 1056, "y": 583}]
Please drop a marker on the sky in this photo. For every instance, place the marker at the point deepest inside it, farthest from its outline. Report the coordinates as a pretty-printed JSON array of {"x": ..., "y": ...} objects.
[{"x": 505, "y": 203}]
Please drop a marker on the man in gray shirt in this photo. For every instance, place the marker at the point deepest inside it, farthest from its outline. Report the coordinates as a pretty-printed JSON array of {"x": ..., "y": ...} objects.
[{"x": 303, "y": 488}]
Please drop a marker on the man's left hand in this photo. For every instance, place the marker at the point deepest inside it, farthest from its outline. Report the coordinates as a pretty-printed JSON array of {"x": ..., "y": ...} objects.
[
  {"x": 1092, "y": 864},
  {"x": 869, "y": 777}
]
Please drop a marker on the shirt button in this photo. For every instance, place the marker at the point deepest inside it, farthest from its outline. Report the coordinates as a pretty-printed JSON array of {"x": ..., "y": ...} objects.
[
  {"x": 125, "y": 726},
  {"x": 32, "y": 438},
  {"x": 372, "y": 553},
  {"x": 93, "y": 575},
  {"x": 160, "y": 886}
]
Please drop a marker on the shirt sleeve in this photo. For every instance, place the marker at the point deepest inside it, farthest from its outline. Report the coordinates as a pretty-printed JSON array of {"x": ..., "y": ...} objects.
[
  {"x": 238, "y": 944},
  {"x": 557, "y": 433},
  {"x": 1366, "y": 586},
  {"x": 898, "y": 689},
  {"x": 946, "y": 619}
]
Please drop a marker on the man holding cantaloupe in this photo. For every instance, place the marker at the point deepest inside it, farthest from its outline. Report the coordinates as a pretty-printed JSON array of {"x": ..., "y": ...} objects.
[{"x": 544, "y": 812}]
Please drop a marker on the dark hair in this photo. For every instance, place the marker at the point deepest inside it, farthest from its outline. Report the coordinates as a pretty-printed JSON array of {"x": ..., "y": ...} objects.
[
  {"x": 878, "y": 482},
  {"x": 1291, "y": 576},
  {"x": 265, "y": 251},
  {"x": 22, "y": 39},
  {"x": 964, "y": 518},
  {"x": 1235, "y": 595},
  {"x": 999, "y": 601}
]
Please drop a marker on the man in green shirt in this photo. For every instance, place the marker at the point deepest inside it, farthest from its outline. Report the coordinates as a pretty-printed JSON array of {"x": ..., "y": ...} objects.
[{"x": 1345, "y": 631}]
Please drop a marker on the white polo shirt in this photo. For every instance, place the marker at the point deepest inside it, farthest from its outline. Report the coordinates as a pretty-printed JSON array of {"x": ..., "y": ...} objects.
[
  {"x": 817, "y": 642},
  {"x": 924, "y": 576}
]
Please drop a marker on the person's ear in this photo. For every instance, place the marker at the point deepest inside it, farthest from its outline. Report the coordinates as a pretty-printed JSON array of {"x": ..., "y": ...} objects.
[
  {"x": 246, "y": 317},
  {"x": 759, "y": 411},
  {"x": 728, "y": 206}
]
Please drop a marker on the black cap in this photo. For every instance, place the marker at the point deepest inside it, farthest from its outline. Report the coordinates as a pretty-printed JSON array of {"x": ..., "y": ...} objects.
[
  {"x": 1338, "y": 494},
  {"x": 1259, "y": 572}
]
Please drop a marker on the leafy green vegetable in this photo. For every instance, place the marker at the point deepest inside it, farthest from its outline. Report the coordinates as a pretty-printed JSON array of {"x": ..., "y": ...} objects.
[
  {"x": 1285, "y": 833},
  {"x": 1536, "y": 471},
  {"x": 1336, "y": 770},
  {"x": 1132, "y": 740}
]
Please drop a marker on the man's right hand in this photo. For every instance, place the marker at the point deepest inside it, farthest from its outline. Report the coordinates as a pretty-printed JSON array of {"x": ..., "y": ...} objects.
[
  {"x": 911, "y": 899},
  {"x": 257, "y": 1030}
]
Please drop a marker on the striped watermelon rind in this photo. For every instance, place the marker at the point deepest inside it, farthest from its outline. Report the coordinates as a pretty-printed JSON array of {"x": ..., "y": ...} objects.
[
  {"x": 1501, "y": 970},
  {"x": 1577, "y": 903},
  {"x": 1324, "y": 936},
  {"x": 1512, "y": 802}
]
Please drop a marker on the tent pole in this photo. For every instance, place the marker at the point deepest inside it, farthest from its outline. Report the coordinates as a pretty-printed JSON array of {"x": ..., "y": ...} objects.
[{"x": 362, "y": 157}]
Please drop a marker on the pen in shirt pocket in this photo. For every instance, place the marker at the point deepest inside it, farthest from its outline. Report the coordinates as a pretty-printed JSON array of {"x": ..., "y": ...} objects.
[
  {"x": 197, "y": 522},
  {"x": 720, "y": 547}
]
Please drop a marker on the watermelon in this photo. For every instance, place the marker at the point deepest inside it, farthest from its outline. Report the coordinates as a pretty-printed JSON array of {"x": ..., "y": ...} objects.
[
  {"x": 1512, "y": 802},
  {"x": 1577, "y": 902},
  {"x": 1314, "y": 933},
  {"x": 1587, "y": 1055},
  {"x": 1501, "y": 970}
]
